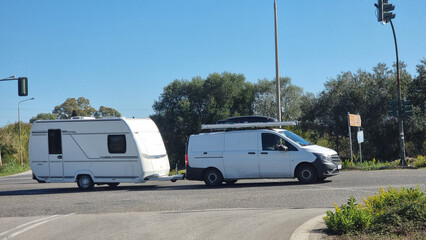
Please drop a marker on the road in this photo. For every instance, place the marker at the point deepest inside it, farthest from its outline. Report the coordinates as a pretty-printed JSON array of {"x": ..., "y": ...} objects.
[{"x": 251, "y": 209}]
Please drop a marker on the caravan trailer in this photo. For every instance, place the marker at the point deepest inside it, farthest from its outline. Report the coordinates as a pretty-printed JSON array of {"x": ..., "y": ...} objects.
[{"x": 98, "y": 151}]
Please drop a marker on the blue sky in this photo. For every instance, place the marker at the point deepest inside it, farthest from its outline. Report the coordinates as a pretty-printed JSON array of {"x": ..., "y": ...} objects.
[{"x": 121, "y": 54}]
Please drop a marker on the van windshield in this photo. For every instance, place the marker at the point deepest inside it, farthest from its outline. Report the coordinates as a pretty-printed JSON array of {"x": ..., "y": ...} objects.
[{"x": 298, "y": 139}]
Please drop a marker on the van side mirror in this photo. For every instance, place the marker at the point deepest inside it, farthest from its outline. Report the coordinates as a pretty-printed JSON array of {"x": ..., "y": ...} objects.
[{"x": 282, "y": 147}]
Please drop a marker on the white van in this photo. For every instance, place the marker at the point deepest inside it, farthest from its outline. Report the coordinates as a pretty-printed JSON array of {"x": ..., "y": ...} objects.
[
  {"x": 255, "y": 152},
  {"x": 97, "y": 151}
]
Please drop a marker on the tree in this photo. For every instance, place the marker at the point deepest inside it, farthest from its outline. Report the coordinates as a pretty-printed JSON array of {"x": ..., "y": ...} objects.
[
  {"x": 367, "y": 94},
  {"x": 44, "y": 116},
  {"x": 107, "y": 112},
  {"x": 185, "y": 105},
  {"x": 80, "y": 107},
  {"x": 291, "y": 99}
]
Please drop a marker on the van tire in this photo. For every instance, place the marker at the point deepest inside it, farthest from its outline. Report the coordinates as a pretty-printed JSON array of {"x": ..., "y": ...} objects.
[
  {"x": 85, "y": 182},
  {"x": 306, "y": 174},
  {"x": 213, "y": 177}
]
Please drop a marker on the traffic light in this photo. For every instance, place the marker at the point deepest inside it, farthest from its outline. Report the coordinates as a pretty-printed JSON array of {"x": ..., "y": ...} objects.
[
  {"x": 23, "y": 86},
  {"x": 384, "y": 14},
  {"x": 392, "y": 109},
  {"x": 407, "y": 108}
]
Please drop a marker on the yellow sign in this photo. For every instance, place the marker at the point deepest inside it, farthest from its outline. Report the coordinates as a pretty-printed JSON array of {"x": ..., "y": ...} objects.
[{"x": 354, "y": 120}]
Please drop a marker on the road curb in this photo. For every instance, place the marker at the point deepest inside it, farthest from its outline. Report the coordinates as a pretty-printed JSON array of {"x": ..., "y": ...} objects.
[{"x": 310, "y": 229}]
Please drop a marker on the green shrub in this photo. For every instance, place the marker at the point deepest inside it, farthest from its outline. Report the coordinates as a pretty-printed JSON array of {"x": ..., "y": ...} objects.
[
  {"x": 349, "y": 217},
  {"x": 420, "y": 162},
  {"x": 390, "y": 212}
]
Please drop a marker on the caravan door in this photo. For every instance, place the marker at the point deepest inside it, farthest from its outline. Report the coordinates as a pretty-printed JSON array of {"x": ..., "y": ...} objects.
[{"x": 56, "y": 164}]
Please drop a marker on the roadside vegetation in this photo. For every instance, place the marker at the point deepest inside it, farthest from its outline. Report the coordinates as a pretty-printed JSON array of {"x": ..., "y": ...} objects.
[
  {"x": 419, "y": 162},
  {"x": 389, "y": 214}
]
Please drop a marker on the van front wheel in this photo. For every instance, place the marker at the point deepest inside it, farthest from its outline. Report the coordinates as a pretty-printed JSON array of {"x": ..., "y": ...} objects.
[
  {"x": 213, "y": 177},
  {"x": 85, "y": 182},
  {"x": 306, "y": 174}
]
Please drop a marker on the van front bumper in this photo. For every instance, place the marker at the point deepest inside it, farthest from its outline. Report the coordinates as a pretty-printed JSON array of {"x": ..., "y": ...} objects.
[{"x": 326, "y": 168}]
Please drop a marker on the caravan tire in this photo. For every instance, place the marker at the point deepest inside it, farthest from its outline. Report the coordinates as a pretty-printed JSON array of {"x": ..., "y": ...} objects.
[
  {"x": 85, "y": 182},
  {"x": 213, "y": 177}
]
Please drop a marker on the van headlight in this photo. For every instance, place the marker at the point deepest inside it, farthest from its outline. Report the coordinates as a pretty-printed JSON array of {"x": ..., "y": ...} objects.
[{"x": 323, "y": 157}]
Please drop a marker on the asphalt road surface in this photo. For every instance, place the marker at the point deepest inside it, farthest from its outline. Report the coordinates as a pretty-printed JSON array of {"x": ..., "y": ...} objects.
[{"x": 250, "y": 209}]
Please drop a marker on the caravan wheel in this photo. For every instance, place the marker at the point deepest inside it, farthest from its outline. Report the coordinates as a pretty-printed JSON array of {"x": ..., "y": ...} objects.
[{"x": 85, "y": 182}]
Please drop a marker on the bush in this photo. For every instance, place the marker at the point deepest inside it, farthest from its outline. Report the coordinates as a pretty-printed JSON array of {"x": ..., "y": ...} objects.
[
  {"x": 420, "y": 162},
  {"x": 390, "y": 212},
  {"x": 369, "y": 165}
]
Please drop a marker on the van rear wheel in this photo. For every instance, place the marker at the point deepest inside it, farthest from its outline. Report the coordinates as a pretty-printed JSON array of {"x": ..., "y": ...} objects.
[
  {"x": 213, "y": 177},
  {"x": 85, "y": 183},
  {"x": 306, "y": 174}
]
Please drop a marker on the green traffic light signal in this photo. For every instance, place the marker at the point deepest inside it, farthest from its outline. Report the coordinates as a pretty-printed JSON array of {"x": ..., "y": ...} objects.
[
  {"x": 23, "y": 86},
  {"x": 384, "y": 9},
  {"x": 407, "y": 108},
  {"x": 392, "y": 109}
]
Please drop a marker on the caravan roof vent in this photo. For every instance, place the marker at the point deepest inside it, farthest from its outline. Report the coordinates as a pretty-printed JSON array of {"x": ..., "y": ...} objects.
[{"x": 81, "y": 118}]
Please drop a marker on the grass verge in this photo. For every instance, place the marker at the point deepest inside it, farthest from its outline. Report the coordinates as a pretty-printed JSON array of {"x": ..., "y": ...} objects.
[{"x": 13, "y": 167}]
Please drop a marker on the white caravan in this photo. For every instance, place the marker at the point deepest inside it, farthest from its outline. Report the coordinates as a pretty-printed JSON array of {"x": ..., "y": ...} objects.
[
  {"x": 98, "y": 151},
  {"x": 252, "y": 150}
]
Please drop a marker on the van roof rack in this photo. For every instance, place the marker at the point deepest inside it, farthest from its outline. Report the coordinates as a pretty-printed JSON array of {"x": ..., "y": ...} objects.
[{"x": 247, "y": 125}]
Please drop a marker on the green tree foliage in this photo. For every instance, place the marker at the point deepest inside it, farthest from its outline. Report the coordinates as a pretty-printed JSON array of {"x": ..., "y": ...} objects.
[
  {"x": 72, "y": 106},
  {"x": 107, "y": 112},
  {"x": 416, "y": 130},
  {"x": 367, "y": 94},
  {"x": 44, "y": 116},
  {"x": 81, "y": 107},
  {"x": 9, "y": 142},
  {"x": 185, "y": 105},
  {"x": 291, "y": 99}
]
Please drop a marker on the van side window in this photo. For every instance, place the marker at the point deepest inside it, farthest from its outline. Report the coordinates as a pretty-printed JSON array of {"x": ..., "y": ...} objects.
[
  {"x": 270, "y": 142},
  {"x": 54, "y": 140},
  {"x": 116, "y": 143},
  {"x": 290, "y": 147}
]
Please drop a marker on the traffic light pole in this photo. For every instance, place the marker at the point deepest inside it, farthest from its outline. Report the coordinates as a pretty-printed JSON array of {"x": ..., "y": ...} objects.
[{"x": 400, "y": 111}]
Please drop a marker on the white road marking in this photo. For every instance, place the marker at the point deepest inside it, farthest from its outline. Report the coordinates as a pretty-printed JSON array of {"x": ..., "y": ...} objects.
[{"x": 30, "y": 225}]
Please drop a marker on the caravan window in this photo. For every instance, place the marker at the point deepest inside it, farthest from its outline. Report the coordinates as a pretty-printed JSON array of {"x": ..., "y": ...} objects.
[{"x": 117, "y": 143}]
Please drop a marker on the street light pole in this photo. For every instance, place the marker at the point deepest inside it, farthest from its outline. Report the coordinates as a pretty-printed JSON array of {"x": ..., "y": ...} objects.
[
  {"x": 277, "y": 72},
  {"x": 19, "y": 123},
  {"x": 400, "y": 120}
]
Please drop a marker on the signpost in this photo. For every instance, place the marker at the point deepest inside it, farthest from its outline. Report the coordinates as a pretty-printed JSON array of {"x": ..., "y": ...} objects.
[{"x": 354, "y": 120}]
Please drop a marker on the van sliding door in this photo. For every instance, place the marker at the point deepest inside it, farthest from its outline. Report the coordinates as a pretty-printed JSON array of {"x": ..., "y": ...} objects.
[{"x": 56, "y": 164}]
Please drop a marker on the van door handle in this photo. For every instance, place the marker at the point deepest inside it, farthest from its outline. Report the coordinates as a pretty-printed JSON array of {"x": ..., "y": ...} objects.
[
  {"x": 251, "y": 153},
  {"x": 263, "y": 153},
  {"x": 204, "y": 152},
  {"x": 59, "y": 156}
]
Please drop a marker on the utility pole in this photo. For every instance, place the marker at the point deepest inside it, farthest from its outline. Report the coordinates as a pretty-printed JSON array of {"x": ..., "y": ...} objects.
[{"x": 277, "y": 71}]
